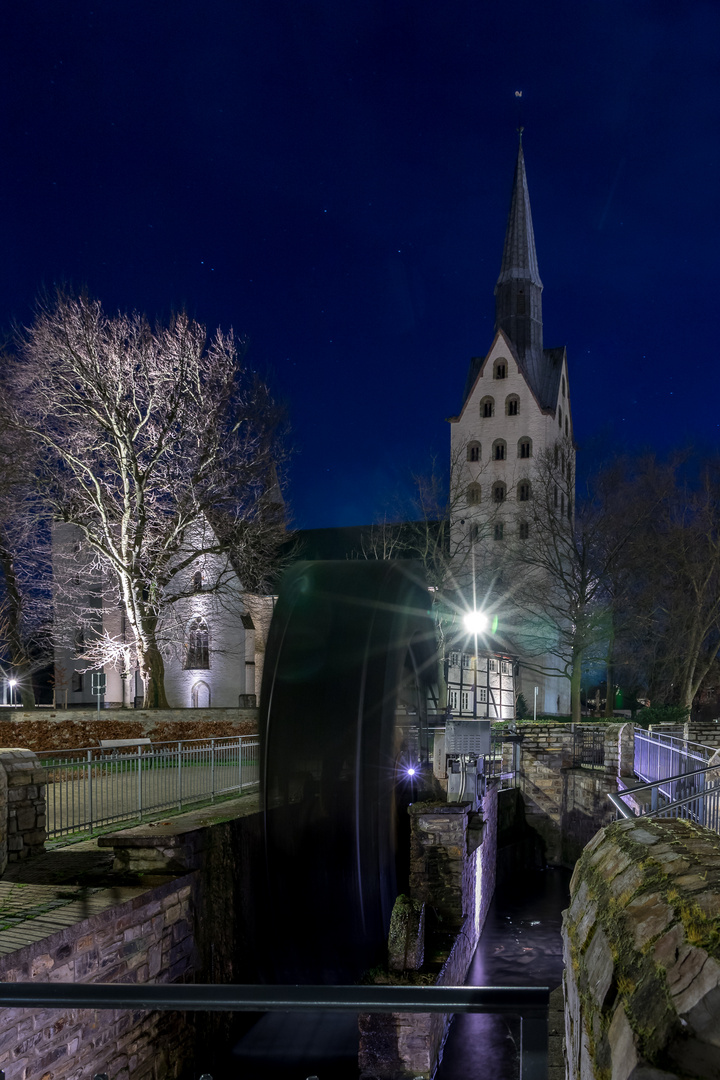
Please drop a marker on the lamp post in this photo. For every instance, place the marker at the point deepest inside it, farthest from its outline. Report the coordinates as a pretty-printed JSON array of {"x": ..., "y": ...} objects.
[
  {"x": 12, "y": 683},
  {"x": 476, "y": 622}
]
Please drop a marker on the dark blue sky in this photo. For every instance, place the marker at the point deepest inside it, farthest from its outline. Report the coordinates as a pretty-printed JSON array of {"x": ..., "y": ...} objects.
[{"x": 332, "y": 179}]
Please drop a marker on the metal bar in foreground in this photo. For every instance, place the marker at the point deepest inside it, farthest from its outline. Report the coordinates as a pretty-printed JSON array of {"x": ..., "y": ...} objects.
[{"x": 530, "y": 1002}]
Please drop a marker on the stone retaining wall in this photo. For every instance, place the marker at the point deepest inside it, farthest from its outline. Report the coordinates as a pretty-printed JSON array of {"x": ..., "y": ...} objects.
[
  {"x": 22, "y": 806},
  {"x": 456, "y": 880},
  {"x": 65, "y": 729},
  {"x": 642, "y": 954},
  {"x": 146, "y": 939}
]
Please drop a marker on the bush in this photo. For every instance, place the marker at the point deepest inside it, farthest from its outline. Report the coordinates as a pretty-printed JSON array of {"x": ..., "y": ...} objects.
[{"x": 662, "y": 714}]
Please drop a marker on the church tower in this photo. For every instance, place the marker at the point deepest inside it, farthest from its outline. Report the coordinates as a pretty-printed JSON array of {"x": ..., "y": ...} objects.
[{"x": 512, "y": 437}]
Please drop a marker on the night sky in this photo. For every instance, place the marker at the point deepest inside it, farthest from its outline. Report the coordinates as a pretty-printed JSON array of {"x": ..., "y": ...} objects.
[{"x": 332, "y": 180}]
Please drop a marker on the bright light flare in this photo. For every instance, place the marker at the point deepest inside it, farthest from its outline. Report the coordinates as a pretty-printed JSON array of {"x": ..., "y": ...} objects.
[
  {"x": 12, "y": 683},
  {"x": 476, "y": 622},
  {"x": 411, "y": 771}
]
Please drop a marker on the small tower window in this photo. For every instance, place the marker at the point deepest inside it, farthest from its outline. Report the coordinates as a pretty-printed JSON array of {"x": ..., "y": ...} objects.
[
  {"x": 474, "y": 532},
  {"x": 473, "y": 494},
  {"x": 499, "y": 530},
  {"x": 473, "y": 451},
  {"x": 499, "y": 450},
  {"x": 197, "y": 581},
  {"x": 563, "y": 386},
  {"x": 521, "y": 302},
  {"x": 500, "y": 369},
  {"x": 512, "y": 405},
  {"x": 566, "y": 426},
  {"x": 524, "y": 491},
  {"x": 487, "y": 407},
  {"x": 499, "y": 490},
  {"x": 524, "y": 530},
  {"x": 560, "y": 419},
  {"x": 525, "y": 448}
]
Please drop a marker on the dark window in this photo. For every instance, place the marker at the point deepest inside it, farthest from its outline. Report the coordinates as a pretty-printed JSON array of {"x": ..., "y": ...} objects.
[
  {"x": 556, "y": 453},
  {"x": 498, "y": 492},
  {"x": 560, "y": 419},
  {"x": 198, "y": 645},
  {"x": 563, "y": 386},
  {"x": 524, "y": 491},
  {"x": 521, "y": 302},
  {"x": 473, "y": 494},
  {"x": 525, "y": 448},
  {"x": 474, "y": 532},
  {"x": 499, "y": 450},
  {"x": 524, "y": 530},
  {"x": 500, "y": 369},
  {"x": 499, "y": 529},
  {"x": 566, "y": 426},
  {"x": 512, "y": 406},
  {"x": 487, "y": 407},
  {"x": 473, "y": 451},
  {"x": 197, "y": 581},
  {"x": 77, "y": 682}
]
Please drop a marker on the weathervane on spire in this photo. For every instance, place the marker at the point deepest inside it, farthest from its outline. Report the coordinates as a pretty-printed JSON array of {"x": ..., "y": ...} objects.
[{"x": 520, "y": 128}]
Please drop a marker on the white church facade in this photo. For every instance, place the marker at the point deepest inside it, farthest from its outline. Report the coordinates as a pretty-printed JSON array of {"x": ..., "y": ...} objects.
[
  {"x": 211, "y": 636},
  {"x": 514, "y": 424}
]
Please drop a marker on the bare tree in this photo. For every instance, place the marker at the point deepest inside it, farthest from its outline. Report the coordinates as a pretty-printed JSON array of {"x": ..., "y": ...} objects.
[
  {"x": 566, "y": 574},
  {"x": 25, "y": 605},
  {"x": 147, "y": 435}
]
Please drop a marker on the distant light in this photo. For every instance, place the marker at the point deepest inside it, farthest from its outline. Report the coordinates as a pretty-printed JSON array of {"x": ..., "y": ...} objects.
[
  {"x": 476, "y": 622},
  {"x": 411, "y": 771},
  {"x": 12, "y": 682}
]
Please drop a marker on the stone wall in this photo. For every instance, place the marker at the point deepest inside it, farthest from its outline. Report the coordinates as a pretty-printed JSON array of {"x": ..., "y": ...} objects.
[
  {"x": 703, "y": 731},
  {"x": 642, "y": 954},
  {"x": 22, "y": 825},
  {"x": 147, "y": 939},
  {"x": 452, "y": 871},
  {"x": 65, "y": 729},
  {"x": 565, "y": 805}
]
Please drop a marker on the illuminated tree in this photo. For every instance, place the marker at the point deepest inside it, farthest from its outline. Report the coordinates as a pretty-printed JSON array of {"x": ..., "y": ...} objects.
[{"x": 147, "y": 435}]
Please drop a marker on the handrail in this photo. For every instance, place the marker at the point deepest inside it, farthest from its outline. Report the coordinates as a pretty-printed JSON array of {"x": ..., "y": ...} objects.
[
  {"x": 529, "y": 1001},
  {"x": 617, "y": 798}
]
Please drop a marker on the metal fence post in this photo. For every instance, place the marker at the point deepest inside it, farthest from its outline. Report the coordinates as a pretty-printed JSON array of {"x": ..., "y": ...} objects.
[
  {"x": 212, "y": 770},
  {"x": 140, "y": 799},
  {"x": 180, "y": 775},
  {"x": 240, "y": 761},
  {"x": 90, "y": 791}
]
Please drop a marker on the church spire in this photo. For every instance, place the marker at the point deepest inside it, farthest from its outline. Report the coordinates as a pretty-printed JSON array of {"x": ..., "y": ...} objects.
[{"x": 518, "y": 293}]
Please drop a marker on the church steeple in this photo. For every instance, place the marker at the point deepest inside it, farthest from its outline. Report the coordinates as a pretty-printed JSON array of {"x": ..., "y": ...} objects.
[{"x": 518, "y": 293}]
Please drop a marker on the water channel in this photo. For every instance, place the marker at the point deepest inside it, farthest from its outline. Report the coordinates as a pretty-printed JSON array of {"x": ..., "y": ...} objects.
[{"x": 520, "y": 946}]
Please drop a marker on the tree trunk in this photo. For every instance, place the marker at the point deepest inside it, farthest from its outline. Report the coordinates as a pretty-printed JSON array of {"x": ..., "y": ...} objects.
[
  {"x": 152, "y": 669},
  {"x": 575, "y": 684}
]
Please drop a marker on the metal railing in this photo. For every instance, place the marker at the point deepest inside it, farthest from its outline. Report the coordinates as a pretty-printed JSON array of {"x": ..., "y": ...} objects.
[
  {"x": 530, "y": 1003},
  {"x": 694, "y": 796},
  {"x": 90, "y": 788},
  {"x": 658, "y": 756}
]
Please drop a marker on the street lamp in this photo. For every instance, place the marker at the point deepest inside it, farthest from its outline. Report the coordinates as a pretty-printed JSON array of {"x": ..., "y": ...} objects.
[
  {"x": 12, "y": 683},
  {"x": 476, "y": 622}
]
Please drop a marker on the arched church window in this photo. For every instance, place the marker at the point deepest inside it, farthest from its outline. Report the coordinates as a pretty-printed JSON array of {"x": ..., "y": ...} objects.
[
  {"x": 560, "y": 419},
  {"x": 473, "y": 451},
  {"x": 566, "y": 426},
  {"x": 473, "y": 494},
  {"x": 524, "y": 530},
  {"x": 524, "y": 447},
  {"x": 499, "y": 450},
  {"x": 198, "y": 644},
  {"x": 512, "y": 405},
  {"x": 524, "y": 491},
  {"x": 487, "y": 407},
  {"x": 499, "y": 491},
  {"x": 563, "y": 386},
  {"x": 500, "y": 369}
]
